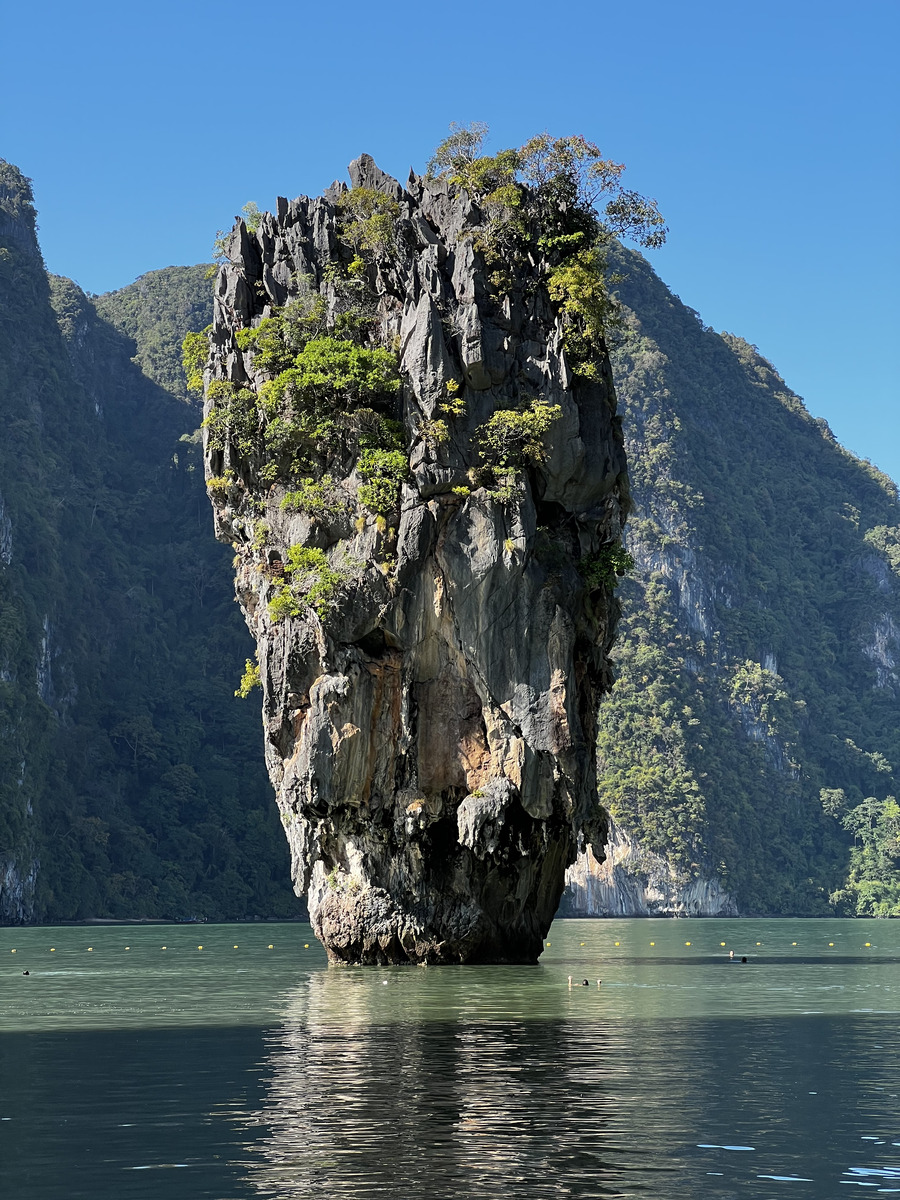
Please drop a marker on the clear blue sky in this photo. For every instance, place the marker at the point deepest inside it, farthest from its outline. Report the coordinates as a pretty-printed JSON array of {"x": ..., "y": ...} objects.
[{"x": 767, "y": 131}]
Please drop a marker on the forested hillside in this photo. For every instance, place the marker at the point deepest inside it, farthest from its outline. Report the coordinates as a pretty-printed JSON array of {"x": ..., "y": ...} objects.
[
  {"x": 131, "y": 782},
  {"x": 754, "y": 733}
]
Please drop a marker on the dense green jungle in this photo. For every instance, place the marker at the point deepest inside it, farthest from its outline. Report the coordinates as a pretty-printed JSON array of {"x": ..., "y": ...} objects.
[
  {"x": 131, "y": 779},
  {"x": 753, "y": 733}
]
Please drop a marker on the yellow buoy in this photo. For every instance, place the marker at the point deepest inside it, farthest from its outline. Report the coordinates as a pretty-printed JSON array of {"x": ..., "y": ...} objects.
[
  {"x": 653, "y": 943},
  {"x": 127, "y": 947},
  {"x": 831, "y": 943},
  {"x": 199, "y": 947},
  {"x": 582, "y": 943},
  {"x": 687, "y": 943},
  {"x": 235, "y": 947},
  {"x": 12, "y": 951},
  {"x": 90, "y": 949},
  {"x": 52, "y": 949},
  {"x": 793, "y": 943},
  {"x": 759, "y": 943},
  {"x": 868, "y": 943},
  {"x": 721, "y": 943},
  {"x": 306, "y": 945},
  {"x": 548, "y": 943},
  {"x": 271, "y": 947},
  {"x": 617, "y": 943},
  {"x": 164, "y": 947}
]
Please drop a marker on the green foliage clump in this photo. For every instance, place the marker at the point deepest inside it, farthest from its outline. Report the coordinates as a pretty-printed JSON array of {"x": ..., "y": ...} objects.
[
  {"x": 324, "y": 405},
  {"x": 313, "y": 584},
  {"x": 761, "y": 693},
  {"x": 873, "y": 884},
  {"x": 369, "y": 221},
  {"x": 194, "y": 353},
  {"x": 317, "y": 498},
  {"x": 601, "y": 570},
  {"x": 454, "y": 404},
  {"x": 578, "y": 285},
  {"x": 249, "y": 680},
  {"x": 320, "y": 401},
  {"x": 218, "y": 486},
  {"x": 436, "y": 430},
  {"x": 562, "y": 198},
  {"x": 277, "y": 339},
  {"x": 383, "y": 471},
  {"x": 260, "y": 534},
  {"x": 512, "y": 439},
  {"x": 329, "y": 370},
  {"x": 233, "y": 417}
]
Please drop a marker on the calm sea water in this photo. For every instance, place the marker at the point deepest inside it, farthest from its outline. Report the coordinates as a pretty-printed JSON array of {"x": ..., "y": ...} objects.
[{"x": 134, "y": 1064}]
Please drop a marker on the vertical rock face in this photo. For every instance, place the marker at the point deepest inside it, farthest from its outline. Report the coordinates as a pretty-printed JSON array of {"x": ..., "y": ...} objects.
[
  {"x": 431, "y": 660},
  {"x": 635, "y": 882},
  {"x": 754, "y": 728}
]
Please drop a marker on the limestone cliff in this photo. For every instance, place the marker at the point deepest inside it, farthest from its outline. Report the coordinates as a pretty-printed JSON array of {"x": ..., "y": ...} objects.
[
  {"x": 432, "y": 628},
  {"x": 633, "y": 881},
  {"x": 749, "y": 752},
  {"x": 124, "y": 791}
]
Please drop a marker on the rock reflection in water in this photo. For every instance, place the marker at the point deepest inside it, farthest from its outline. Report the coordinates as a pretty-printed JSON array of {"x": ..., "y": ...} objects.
[
  {"x": 376, "y": 1090},
  {"x": 463, "y": 1082}
]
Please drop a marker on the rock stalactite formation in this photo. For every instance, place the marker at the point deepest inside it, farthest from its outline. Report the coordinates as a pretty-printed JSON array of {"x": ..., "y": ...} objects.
[
  {"x": 432, "y": 622},
  {"x": 635, "y": 882}
]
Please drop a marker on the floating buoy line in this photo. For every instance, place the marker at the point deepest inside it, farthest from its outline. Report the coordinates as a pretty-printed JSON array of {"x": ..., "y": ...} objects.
[
  {"x": 90, "y": 949},
  {"x": 306, "y": 946}
]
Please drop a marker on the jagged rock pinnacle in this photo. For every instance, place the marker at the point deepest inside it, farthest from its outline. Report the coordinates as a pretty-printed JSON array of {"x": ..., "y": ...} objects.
[{"x": 431, "y": 646}]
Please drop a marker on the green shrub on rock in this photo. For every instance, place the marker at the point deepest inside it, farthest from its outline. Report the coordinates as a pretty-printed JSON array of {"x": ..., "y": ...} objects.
[
  {"x": 249, "y": 680},
  {"x": 233, "y": 417},
  {"x": 316, "y": 498},
  {"x": 383, "y": 472},
  {"x": 512, "y": 439},
  {"x": 601, "y": 570},
  {"x": 312, "y": 582},
  {"x": 329, "y": 370},
  {"x": 194, "y": 353},
  {"x": 369, "y": 221}
]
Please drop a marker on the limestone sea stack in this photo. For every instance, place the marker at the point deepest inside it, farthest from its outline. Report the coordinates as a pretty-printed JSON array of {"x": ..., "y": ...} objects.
[{"x": 425, "y": 485}]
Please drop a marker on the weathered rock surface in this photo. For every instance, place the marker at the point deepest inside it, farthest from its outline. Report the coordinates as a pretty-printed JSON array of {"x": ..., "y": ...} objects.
[
  {"x": 431, "y": 737},
  {"x": 634, "y": 882}
]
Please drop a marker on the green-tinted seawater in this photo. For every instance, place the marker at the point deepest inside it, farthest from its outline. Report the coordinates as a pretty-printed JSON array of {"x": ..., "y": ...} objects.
[{"x": 133, "y": 1063}]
